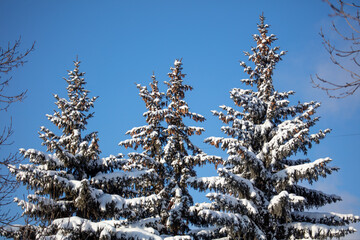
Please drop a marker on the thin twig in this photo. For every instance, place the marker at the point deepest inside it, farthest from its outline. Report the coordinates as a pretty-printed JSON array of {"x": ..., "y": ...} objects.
[{"x": 338, "y": 89}]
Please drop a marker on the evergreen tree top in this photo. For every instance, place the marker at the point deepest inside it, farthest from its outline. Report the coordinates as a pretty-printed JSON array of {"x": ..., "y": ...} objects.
[
  {"x": 265, "y": 58},
  {"x": 78, "y": 104}
]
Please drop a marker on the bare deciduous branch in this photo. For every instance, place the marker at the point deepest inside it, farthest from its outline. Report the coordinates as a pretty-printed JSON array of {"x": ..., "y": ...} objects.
[
  {"x": 10, "y": 58},
  {"x": 349, "y": 12}
]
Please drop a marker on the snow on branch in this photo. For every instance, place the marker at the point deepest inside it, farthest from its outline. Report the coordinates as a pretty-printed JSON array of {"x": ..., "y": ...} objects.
[
  {"x": 108, "y": 178},
  {"x": 314, "y": 198},
  {"x": 230, "y": 111},
  {"x": 247, "y": 99},
  {"x": 36, "y": 176},
  {"x": 289, "y": 162},
  {"x": 205, "y": 233},
  {"x": 44, "y": 207},
  {"x": 181, "y": 237},
  {"x": 110, "y": 162},
  {"x": 204, "y": 183},
  {"x": 225, "y": 118},
  {"x": 38, "y": 157},
  {"x": 75, "y": 227},
  {"x": 305, "y": 110},
  {"x": 242, "y": 156},
  {"x": 334, "y": 219},
  {"x": 241, "y": 186},
  {"x": 141, "y": 202},
  {"x": 202, "y": 158},
  {"x": 281, "y": 204},
  {"x": 286, "y": 144},
  {"x": 121, "y": 205},
  {"x": 230, "y": 203},
  {"x": 316, "y": 231},
  {"x": 307, "y": 171},
  {"x": 241, "y": 223},
  {"x": 225, "y": 142}
]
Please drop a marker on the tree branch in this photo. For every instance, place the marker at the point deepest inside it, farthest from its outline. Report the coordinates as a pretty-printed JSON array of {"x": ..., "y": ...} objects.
[
  {"x": 11, "y": 58},
  {"x": 338, "y": 56}
]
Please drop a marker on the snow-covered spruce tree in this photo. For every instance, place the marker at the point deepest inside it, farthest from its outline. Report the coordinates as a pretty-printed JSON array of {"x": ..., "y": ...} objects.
[
  {"x": 257, "y": 193},
  {"x": 179, "y": 153},
  {"x": 169, "y": 151},
  {"x": 77, "y": 194},
  {"x": 150, "y": 138}
]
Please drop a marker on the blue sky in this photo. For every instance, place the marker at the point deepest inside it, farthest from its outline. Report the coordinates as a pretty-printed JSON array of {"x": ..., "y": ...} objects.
[{"x": 121, "y": 43}]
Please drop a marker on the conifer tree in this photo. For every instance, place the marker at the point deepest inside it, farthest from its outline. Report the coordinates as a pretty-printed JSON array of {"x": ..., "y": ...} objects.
[
  {"x": 150, "y": 138},
  {"x": 180, "y": 154},
  {"x": 168, "y": 151},
  {"x": 77, "y": 194},
  {"x": 257, "y": 194}
]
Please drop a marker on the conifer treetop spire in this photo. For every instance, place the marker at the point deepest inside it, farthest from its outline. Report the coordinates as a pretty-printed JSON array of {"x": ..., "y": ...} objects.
[
  {"x": 76, "y": 82},
  {"x": 262, "y": 27},
  {"x": 72, "y": 117},
  {"x": 153, "y": 99},
  {"x": 178, "y": 108},
  {"x": 265, "y": 58},
  {"x": 78, "y": 96}
]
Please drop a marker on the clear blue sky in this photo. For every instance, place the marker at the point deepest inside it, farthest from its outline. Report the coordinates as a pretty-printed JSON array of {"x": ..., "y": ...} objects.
[{"x": 122, "y": 42}]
